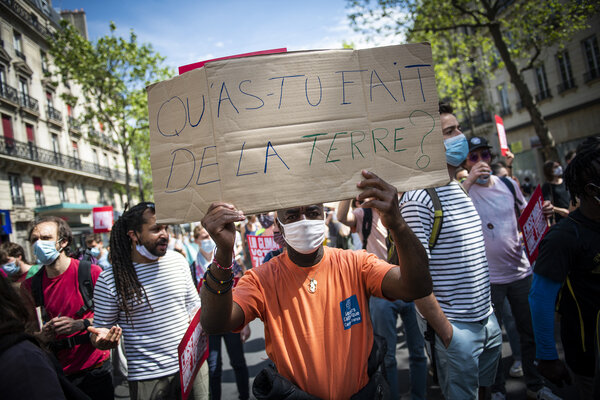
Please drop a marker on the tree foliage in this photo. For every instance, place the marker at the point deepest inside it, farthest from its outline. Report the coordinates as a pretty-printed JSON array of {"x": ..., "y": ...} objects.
[
  {"x": 470, "y": 38},
  {"x": 112, "y": 74}
]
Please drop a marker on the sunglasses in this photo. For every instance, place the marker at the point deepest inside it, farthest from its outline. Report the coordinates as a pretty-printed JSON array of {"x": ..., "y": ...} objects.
[{"x": 485, "y": 156}]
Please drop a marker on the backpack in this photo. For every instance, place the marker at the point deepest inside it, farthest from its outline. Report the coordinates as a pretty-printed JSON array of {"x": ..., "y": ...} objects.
[
  {"x": 86, "y": 289},
  {"x": 517, "y": 203}
]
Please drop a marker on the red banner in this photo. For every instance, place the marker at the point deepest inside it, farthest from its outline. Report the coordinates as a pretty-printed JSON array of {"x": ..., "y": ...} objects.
[
  {"x": 501, "y": 135},
  {"x": 259, "y": 246},
  {"x": 193, "y": 351},
  {"x": 533, "y": 224},
  {"x": 103, "y": 219}
]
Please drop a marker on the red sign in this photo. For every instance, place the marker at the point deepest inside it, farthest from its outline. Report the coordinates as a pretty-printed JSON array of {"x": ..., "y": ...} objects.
[
  {"x": 259, "y": 246},
  {"x": 103, "y": 219},
  {"x": 185, "y": 68},
  {"x": 533, "y": 224},
  {"x": 193, "y": 351},
  {"x": 501, "y": 135}
]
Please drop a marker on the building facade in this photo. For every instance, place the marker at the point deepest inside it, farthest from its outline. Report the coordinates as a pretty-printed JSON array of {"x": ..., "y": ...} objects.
[
  {"x": 50, "y": 164},
  {"x": 566, "y": 86}
]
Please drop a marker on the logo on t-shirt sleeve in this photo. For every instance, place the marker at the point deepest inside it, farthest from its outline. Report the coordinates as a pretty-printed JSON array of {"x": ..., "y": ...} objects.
[{"x": 350, "y": 311}]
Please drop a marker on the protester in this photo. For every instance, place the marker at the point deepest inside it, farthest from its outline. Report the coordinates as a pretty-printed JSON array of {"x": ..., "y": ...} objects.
[
  {"x": 384, "y": 313},
  {"x": 499, "y": 202},
  {"x": 65, "y": 300},
  {"x": 313, "y": 299},
  {"x": 96, "y": 249},
  {"x": 461, "y": 174},
  {"x": 149, "y": 292},
  {"x": 555, "y": 190},
  {"x": 568, "y": 262},
  {"x": 468, "y": 339},
  {"x": 234, "y": 342},
  {"x": 27, "y": 371},
  {"x": 14, "y": 264},
  {"x": 205, "y": 252},
  {"x": 527, "y": 188}
]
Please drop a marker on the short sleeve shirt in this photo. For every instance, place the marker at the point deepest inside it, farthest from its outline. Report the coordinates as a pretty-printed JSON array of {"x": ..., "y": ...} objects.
[{"x": 320, "y": 341}]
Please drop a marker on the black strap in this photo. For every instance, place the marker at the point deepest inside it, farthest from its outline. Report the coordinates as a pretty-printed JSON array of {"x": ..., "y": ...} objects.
[
  {"x": 38, "y": 292},
  {"x": 430, "y": 337},
  {"x": 517, "y": 202},
  {"x": 86, "y": 286},
  {"x": 70, "y": 342},
  {"x": 367, "y": 224}
]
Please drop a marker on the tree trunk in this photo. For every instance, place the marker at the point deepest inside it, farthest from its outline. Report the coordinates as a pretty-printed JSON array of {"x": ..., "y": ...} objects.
[
  {"x": 539, "y": 124},
  {"x": 127, "y": 174}
]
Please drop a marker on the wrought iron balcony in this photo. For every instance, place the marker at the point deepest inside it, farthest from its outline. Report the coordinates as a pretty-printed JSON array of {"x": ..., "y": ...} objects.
[
  {"x": 18, "y": 200},
  {"x": 29, "y": 151},
  {"x": 543, "y": 95},
  {"x": 504, "y": 111},
  {"x": 15, "y": 7},
  {"x": 566, "y": 85},
  {"x": 9, "y": 93},
  {"x": 20, "y": 55},
  {"x": 54, "y": 114},
  {"x": 591, "y": 75},
  {"x": 29, "y": 102},
  {"x": 74, "y": 126}
]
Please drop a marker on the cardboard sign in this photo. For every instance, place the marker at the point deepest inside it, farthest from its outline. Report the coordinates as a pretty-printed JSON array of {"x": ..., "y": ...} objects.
[
  {"x": 501, "y": 135},
  {"x": 185, "y": 68},
  {"x": 533, "y": 224},
  {"x": 289, "y": 129},
  {"x": 259, "y": 246},
  {"x": 103, "y": 219},
  {"x": 192, "y": 351}
]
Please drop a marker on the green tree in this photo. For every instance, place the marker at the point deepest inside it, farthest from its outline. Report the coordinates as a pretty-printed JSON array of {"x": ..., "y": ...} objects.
[
  {"x": 112, "y": 73},
  {"x": 518, "y": 30}
]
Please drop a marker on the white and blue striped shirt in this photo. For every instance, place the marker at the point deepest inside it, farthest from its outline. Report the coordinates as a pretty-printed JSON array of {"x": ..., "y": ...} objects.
[
  {"x": 458, "y": 264},
  {"x": 157, "y": 326}
]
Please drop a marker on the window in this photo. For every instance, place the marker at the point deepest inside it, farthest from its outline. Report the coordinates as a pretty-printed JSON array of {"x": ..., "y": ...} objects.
[
  {"x": 566, "y": 74},
  {"x": 504, "y": 103},
  {"x": 16, "y": 189},
  {"x": 49, "y": 100},
  {"x": 2, "y": 79},
  {"x": 101, "y": 196},
  {"x": 542, "y": 82},
  {"x": 23, "y": 86},
  {"x": 62, "y": 192},
  {"x": 82, "y": 197},
  {"x": 18, "y": 44},
  {"x": 111, "y": 194},
  {"x": 44, "y": 58},
  {"x": 39, "y": 192},
  {"x": 30, "y": 133},
  {"x": 106, "y": 159},
  {"x": 7, "y": 129},
  {"x": 592, "y": 58},
  {"x": 55, "y": 144},
  {"x": 75, "y": 150}
]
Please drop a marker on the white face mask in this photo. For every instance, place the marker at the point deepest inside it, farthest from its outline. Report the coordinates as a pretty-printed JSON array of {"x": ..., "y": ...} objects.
[
  {"x": 304, "y": 236},
  {"x": 144, "y": 252}
]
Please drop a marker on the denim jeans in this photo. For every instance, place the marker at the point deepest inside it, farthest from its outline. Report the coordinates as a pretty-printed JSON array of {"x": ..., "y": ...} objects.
[
  {"x": 235, "y": 350},
  {"x": 517, "y": 294},
  {"x": 384, "y": 315}
]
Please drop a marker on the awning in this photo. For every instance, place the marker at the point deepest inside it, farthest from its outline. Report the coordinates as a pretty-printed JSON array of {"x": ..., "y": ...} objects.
[{"x": 75, "y": 208}]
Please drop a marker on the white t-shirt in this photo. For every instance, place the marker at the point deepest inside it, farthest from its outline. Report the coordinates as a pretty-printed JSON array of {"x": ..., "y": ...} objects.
[
  {"x": 503, "y": 246},
  {"x": 151, "y": 339},
  {"x": 457, "y": 263}
]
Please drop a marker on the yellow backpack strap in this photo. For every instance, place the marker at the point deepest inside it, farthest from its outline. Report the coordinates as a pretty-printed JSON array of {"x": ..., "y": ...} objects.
[{"x": 438, "y": 217}]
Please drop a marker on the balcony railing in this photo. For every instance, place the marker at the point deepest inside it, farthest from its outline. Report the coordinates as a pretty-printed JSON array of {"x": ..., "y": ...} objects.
[
  {"x": 543, "y": 95},
  {"x": 504, "y": 111},
  {"x": 101, "y": 139},
  {"x": 28, "y": 17},
  {"x": 566, "y": 85},
  {"x": 18, "y": 200},
  {"x": 29, "y": 151},
  {"x": 54, "y": 114},
  {"x": 74, "y": 125},
  {"x": 20, "y": 55},
  {"x": 478, "y": 119},
  {"x": 591, "y": 75},
  {"x": 29, "y": 102},
  {"x": 9, "y": 93}
]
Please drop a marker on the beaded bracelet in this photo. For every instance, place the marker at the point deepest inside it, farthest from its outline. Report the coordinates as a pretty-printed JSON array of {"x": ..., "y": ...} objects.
[
  {"x": 207, "y": 286},
  {"x": 218, "y": 280},
  {"x": 214, "y": 261}
]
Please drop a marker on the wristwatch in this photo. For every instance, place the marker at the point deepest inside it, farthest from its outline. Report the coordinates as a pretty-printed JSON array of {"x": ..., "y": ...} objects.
[{"x": 86, "y": 324}]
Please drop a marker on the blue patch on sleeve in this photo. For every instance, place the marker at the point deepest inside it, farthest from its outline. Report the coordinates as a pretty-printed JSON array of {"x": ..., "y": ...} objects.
[{"x": 350, "y": 312}]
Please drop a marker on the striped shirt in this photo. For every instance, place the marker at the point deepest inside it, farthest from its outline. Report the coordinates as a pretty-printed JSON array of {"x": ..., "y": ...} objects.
[
  {"x": 151, "y": 339},
  {"x": 457, "y": 263}
]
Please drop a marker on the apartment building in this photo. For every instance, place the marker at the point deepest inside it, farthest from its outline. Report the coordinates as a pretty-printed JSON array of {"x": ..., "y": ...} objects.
[
  {"x": 50, "y": 164},
  {"x": 566, "y": 86}
]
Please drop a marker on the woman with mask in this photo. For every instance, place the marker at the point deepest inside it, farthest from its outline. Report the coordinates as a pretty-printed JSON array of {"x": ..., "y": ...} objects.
[
  {"x": 555, "y": 190},
  {"x": 13, "y": 263}
]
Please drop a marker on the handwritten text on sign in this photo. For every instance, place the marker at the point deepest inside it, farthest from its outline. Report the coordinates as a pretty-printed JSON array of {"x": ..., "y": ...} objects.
[
  {"x": 280, "y": 130},
  {"x": 533, "y": 224}
]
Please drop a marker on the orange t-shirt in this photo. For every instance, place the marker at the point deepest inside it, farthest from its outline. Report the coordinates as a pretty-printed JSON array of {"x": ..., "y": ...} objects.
[{"x": 320, "y": 341}]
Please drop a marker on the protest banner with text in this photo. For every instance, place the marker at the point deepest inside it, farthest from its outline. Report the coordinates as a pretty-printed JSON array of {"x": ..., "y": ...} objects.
[
  {"x": 259, "y": 246},
  {"x": 533, "y": 224},
  {"x": 282, "y": 130}
]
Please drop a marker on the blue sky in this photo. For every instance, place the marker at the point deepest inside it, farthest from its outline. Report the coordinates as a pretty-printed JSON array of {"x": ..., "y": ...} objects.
[{"x": 191, "y": 31}]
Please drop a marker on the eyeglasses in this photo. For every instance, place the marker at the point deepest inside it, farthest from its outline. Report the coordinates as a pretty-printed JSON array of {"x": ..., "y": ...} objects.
[{"x": 485, "y": 156}]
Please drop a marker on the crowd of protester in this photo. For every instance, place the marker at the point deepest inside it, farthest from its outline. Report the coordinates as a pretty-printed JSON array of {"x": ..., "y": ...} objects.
[{"x": 449, "y": 261}]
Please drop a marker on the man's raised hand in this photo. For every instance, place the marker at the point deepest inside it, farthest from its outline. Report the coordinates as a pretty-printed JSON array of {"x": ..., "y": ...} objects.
[{"x": 219, "y": 222}]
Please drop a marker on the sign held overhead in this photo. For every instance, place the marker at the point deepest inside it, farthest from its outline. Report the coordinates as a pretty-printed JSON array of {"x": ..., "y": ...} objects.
[{"x": 282, "y": 130}]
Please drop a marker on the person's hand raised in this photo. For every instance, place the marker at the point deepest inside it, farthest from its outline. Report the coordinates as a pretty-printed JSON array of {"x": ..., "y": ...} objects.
[{"x": 219, "y": 222}]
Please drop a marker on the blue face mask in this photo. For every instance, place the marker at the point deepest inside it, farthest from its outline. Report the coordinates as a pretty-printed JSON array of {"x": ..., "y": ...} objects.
[
  {"x": 11, "y": 268},
  {"x": 95, "y": 252},
  {"x": 457, "y": 149},
  {"x": 45, "y": 251},
  {"x": 483, "y": 180},
  {"x": 207, "y": 245}
]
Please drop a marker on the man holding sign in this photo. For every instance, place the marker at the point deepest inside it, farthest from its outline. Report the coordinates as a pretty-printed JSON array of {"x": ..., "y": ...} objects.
[{"x": 313, "y": 300}]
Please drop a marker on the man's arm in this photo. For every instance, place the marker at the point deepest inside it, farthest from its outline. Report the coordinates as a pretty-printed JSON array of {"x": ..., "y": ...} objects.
[
  {"x": 345, "y": 217},
  {"x": 412, "y": 280},
  {"x": 219, "y": 313}
]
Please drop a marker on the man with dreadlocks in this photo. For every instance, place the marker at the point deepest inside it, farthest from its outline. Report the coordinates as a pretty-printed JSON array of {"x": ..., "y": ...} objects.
[
  {"x": 569, "y": 263},
  {"x": 149, "y": 292}
]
